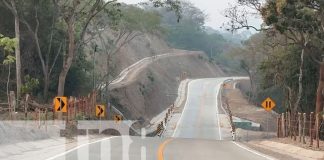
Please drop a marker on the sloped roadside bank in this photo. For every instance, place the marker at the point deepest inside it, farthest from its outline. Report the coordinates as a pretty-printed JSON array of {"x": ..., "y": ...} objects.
[{"x": 155, "y": 88}]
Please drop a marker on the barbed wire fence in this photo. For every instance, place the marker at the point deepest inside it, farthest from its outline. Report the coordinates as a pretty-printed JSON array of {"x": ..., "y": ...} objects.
[{"x": 302, "y": 127}]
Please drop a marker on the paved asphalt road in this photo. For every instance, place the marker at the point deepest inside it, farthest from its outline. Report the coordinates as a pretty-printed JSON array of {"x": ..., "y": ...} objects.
[
  {"x": 202, "y": 115},
  {"x": 201, "y": 134}
]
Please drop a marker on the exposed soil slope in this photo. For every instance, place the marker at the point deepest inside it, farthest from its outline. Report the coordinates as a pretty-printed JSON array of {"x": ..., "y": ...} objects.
[{"x": 154, "y": 87}]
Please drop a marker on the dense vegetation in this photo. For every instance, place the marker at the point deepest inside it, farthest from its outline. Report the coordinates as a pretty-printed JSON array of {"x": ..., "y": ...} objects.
[
  {"x": 49, "y": 52},
  {"x": 283, "y": 60}
]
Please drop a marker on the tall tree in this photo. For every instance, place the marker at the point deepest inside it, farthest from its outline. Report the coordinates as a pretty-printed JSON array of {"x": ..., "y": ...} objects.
[
  {"x": 132, "y": 22},
  {"x": 8, "y": 45},
  {"x": 12, "y": 6},
  {"x": 48, "y": 25},
  {"x": 77, "y": 16},
  {"x": 293, "y": 19}
]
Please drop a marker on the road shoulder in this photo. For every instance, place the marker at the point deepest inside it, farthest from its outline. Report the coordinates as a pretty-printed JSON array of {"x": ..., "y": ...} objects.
[{"x": 285, "y": 151}]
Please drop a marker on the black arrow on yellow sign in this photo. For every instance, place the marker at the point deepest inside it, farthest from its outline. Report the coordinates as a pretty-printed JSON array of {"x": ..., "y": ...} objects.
[
  {"x": 100, "y": 111},
  {"x": 60, "y": 104},
  {"x": 118, "y": 118}
]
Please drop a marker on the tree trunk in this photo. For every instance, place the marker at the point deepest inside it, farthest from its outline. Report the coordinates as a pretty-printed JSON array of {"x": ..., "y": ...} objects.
[
  {"x": 8, "y": 81},
  {"x": 251, "y": 96},
  {"x": 300, "y": 80},
  {"x": 62, "y": 77},
  {"x": 320, "y": 90},
  {"x": 17, "y": 48},
  {"x": 46, "y": 86},
  {"x": 67, "y": 62},
  {"x": 107, "y": 78}
]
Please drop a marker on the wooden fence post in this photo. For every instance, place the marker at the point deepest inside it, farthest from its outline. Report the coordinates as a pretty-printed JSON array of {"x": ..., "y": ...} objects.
[
  {"x": 294, "y": 125},
  {"x": 278, "y": 127},
  {"x": 310, "y": 128},
  {"x": 12, "y": 104},
  {"x": 53, "y": 115},
  {"x": 283, "y": 125},
  {"x": 304, "y": 127},
  {"x": 26, "y": 106},
  {"x": 317, "y": 127},
  {"x": 46, "y": 119},
  {"x": 74, "y": 107},
  {"x": 289, "y": 124},
  {"x": 299, "y": 127},
  {"x": 39, "y": 117}
]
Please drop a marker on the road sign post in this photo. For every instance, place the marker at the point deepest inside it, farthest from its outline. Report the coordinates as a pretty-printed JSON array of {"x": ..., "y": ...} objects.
[{"x": 268, "y": 104}]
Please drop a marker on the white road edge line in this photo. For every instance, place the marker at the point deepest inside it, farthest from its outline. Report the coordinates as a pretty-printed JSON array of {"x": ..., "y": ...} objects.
[
  {"x": 185, "y": 106},
  {"x": 219, "y": 129},
  {"x": 73, "y": 149},
  {"x": 255, "y": 152}
]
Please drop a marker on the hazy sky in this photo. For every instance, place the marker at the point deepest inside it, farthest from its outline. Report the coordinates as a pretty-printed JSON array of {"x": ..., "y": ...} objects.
[{"x": 213, "y": 8}]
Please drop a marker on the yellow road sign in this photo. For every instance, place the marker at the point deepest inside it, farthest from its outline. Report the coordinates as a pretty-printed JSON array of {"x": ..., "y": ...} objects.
[
  {"x": 100, "y": 111},
  {"x": 268, "y": 104},
  {"x": 60, "y": 104},
  {"x": 118, "y": 118}
]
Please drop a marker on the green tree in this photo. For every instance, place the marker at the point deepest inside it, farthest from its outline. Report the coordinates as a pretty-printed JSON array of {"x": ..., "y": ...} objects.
[
  {"x": 40, "y": 18},
  {"x": 8, "y": 46},
  {"x": 299, "y": 21},
  {"x": 76, "y": 17},
  {"x": 12, "y": 6},
  {"x": 131, "y": 22}
]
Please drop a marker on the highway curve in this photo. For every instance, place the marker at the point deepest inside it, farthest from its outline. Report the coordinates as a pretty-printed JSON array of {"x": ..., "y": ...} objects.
[{"x": 201, "y": 134}]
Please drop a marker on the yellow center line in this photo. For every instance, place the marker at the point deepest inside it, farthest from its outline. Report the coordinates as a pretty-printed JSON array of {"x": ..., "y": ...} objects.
[{"x": 161, "y": 149}]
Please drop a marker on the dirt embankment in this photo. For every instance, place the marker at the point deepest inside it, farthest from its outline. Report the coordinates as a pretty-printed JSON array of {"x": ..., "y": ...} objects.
[
  {"x": 155, "y": 87},
  {"x": 242, "y": 108},
  {"x": 143, "y": 46}
]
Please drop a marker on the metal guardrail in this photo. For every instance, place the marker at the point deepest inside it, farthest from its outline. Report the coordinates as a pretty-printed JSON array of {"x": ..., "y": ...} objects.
[{"x": 162, "y": 125}]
